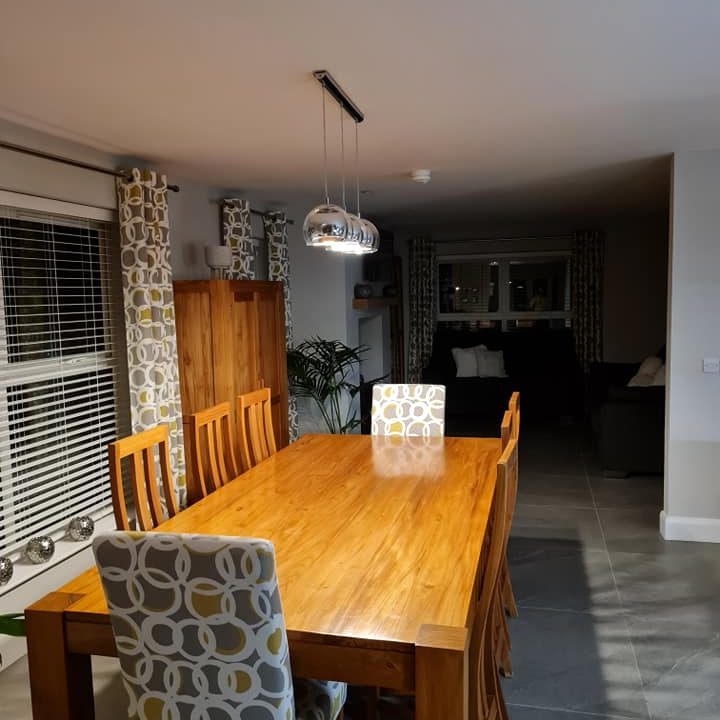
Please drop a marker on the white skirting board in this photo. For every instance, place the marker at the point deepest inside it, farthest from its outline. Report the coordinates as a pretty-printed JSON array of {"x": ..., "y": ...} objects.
[{"x": 691, "y": 529}]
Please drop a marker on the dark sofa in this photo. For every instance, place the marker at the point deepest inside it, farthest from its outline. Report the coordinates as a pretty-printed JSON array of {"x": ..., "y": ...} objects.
[
  {"x": 540, "y": 363},
  {"x": 628, "y": 423}
]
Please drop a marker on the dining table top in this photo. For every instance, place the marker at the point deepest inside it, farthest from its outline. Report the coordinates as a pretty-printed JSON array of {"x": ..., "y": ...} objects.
[{"x": 374, "y": 536}]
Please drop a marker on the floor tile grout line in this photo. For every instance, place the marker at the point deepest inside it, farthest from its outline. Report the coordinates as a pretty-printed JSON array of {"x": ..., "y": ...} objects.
[
  {"x": 567, "y": 711},
  {"x": 592, "y": 613},
  {"x": 623, "y": 615}
]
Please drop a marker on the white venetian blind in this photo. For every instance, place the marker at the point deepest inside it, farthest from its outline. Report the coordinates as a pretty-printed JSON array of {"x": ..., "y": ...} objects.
[{"x": 59, "y": 383}]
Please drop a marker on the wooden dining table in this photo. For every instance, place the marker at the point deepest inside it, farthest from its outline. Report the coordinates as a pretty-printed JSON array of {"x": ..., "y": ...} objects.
[{"x": 378, "y": 542}]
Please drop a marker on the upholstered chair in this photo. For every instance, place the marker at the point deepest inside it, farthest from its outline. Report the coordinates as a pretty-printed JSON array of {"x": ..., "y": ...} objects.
[
  {"x": 200, "y": 632},
  {"x": 408, "y": 410}
]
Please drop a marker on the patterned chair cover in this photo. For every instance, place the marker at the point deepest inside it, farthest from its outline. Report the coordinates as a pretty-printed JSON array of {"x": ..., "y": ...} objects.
[
  {"x": 200, "y": 632},
  {"x": 409, "y": 410}
]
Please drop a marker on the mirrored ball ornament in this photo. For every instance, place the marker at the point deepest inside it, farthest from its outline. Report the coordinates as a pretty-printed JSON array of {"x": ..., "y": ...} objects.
[
  {"x": 6, "y": 570},
  {"x": 40, "y": 549},
  {"x": 81, "y": 528}
]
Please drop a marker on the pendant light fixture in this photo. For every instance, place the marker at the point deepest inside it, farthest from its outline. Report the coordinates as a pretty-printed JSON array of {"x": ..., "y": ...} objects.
[{"x": 329, "y": 225}]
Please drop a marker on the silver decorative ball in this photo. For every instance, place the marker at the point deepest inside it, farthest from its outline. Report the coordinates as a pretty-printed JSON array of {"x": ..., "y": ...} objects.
[
  {"x": 6, "y": 570},
  {"x": 40, "y": 549},
  {"x": 81, "y": 528}
]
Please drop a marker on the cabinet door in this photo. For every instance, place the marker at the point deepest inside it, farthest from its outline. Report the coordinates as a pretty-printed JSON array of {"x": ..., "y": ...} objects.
[
  {"x": 272, "y": 363},
  {"x": 250, "y": 350},
  {"x": 194, "y": 343}
]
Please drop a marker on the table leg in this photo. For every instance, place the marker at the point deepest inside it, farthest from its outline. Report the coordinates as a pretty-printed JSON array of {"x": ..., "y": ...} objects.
[
  {"x": 441, "y": 673},
  {"x": 60, "y": 682}
]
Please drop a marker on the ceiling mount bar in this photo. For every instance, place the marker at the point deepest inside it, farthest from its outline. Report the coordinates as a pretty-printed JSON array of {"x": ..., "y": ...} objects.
[
  {"x": 70, "y": 161},
  {"x": 340, "y": 96}
]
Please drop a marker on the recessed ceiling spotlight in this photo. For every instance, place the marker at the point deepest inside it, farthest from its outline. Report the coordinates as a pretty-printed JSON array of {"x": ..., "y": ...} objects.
[{"x": 420, "y": 176}]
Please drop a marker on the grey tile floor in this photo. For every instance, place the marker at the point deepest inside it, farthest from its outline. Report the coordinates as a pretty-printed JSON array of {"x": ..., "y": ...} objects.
[{"x": 615, "y": 623}]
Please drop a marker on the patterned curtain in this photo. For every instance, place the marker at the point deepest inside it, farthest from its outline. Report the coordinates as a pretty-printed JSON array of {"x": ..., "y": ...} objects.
[
  {"x": 275, "y": 227},
  {"x": 587, "y": 280},
  {"x": 236, "y": 233},
  {"x": 423, "y": 305},
  {"x": 150, "y": 311}
]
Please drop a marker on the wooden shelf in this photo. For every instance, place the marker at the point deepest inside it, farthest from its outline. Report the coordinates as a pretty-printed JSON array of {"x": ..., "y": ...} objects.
[{"x": 375, "y": 302}]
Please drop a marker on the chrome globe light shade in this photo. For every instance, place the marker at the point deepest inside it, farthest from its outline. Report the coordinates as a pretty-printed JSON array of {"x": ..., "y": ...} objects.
[{"x": 325, "y": 225}]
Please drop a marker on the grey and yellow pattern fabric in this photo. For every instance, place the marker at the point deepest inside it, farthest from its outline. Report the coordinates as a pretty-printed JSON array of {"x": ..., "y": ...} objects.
[
  {"x": 153, "y": 376},
  {"x": 237, "y": 234},
  {"x": 422, "y": 305},
  {"x": 199, "y": 630},
  {"x": 408, "y": 410},
  {"x": 275, "y": 229}
]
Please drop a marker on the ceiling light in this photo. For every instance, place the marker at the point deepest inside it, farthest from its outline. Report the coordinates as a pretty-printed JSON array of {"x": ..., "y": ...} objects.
[
  {"x": 328, "y": 225},
  {"x": 421, "y": 176}
]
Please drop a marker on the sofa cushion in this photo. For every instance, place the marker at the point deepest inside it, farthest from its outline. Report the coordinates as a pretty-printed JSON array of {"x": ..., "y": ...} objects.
[
  {"x": 466, "y": 363},
  {"x": 490, "y": 363}
]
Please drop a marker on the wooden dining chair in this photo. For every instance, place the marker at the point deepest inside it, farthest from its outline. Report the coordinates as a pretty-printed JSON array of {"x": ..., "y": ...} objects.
[
  {"x": 408, "y": 410},
  {"x": 200, "y": 631},
  {"x": 256, "y": 436},
  {"x": 514, "y": 408},
  {"x": 509, "y": 429},
  {"x": 211, "y": 447},
  {"x": 507, "y": 591},
  {"x": 486, "y": 698},
  {"x": 140, "y": 447}
]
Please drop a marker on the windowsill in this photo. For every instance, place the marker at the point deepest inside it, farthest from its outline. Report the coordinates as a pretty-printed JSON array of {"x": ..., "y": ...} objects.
[
  {"x": 32, "y": 582},
  {"x": 26, "y": 572}
]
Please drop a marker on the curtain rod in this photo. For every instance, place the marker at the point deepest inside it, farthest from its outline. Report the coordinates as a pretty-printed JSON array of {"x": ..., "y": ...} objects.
[
  {"x": 70, "y": 161},
  {"x": 260, "y": 213}
]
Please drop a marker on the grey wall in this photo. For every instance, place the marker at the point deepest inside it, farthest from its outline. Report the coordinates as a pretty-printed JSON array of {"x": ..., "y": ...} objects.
[
  {"x": 34, "y": 176},
  {"x": 635, "y": 289},
  {"x": 635, "y": 283}
]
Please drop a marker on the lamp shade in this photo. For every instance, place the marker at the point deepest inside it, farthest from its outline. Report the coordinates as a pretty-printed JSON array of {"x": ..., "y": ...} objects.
[
  {"x": 218, "y": 257},
  {"x": 351, "y": 243},
  {"x": 325, "y": 225}
]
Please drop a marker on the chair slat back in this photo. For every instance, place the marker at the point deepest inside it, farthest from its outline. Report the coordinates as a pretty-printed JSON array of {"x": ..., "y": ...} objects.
[
  {"x": 514, "y": 407},
  {"x": 256, "y": 436},
  {"x": 212, "y": 447},
  {"x": 506, "y": 429},
  {"x": 140, "y": 447}
]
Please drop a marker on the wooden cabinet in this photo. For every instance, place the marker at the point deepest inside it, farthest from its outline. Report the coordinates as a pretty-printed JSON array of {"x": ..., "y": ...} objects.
[{"x": 231, "y": 340}]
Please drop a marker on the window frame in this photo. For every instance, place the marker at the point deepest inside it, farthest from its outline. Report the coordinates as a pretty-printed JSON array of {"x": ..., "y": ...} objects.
[
  {"x": 503, "y": 314},
  {"x": 112, "y": 357}
]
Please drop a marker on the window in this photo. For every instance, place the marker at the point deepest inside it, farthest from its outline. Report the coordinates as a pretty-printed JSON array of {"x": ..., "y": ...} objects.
[
  {"x": 59, "y": 379},
  {"x": 506, "y": 291}
]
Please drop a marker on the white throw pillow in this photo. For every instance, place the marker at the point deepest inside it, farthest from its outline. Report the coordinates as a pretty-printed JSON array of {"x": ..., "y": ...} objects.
[
  {"x": 490, "y": 363},
  {"x": 465, "y": 361},
  {"x": 649, "y": 366},
  {"x": 641, "y": 380},
  {"x": 659, "y": 378}
]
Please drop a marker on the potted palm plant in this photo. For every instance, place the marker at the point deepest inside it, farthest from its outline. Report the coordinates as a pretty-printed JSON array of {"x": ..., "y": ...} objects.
[
  {"x": 12, "y": 624},
  {"x": 326, "y": 372}
]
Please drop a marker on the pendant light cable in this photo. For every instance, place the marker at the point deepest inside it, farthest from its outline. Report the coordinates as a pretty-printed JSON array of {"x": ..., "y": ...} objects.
[
  {"x": 357, "y": 170},
  {"x": 342, "y": 155},
  {"x": 327, "y": 195}
]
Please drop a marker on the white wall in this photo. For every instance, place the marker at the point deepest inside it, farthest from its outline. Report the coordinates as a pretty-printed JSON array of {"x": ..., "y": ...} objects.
[{"x": 692, "y": 465}]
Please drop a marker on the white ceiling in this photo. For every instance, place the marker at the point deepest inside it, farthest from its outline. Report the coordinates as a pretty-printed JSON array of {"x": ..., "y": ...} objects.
[{"x": 522, "y": 108}]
